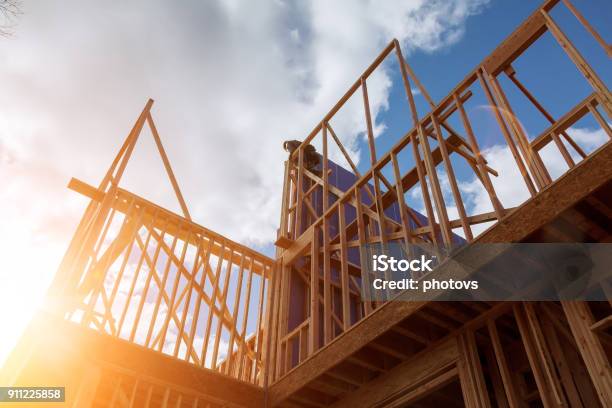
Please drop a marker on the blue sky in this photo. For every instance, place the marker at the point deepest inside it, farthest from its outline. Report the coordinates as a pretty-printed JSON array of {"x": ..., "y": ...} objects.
[{"x": 541, "y": 69}]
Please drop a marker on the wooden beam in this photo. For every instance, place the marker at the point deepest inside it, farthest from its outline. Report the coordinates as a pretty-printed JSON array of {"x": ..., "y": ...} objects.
[
  {"x": 344, "y": 273},
  {"x": 502, "y": 365},
  {"x": 168, "y": 167},
  {"x": 405, "y": 378},
  {"x": 473, "y": 386},
  {"x": 314, "y": 294},
  {"x": 177, "y": 224},
  {"x": 525, "y": 35},
  {"x": 580, "y": 320}
]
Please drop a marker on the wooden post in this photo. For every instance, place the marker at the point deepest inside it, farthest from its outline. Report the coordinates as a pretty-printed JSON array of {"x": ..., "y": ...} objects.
[
  {"x": 511, "y": 73},
  {"x": 133, "y": 393},
  {"x": 136, "y": 273},
  {"x": 343, "y": 150},
  {"x": 237, "y": 298},
  {"x": 166, "y": 398},
  {"x": 162, "y": 153},
  {"x": 268, "y": 356},
  {"x": 583, "y": 66},
  {"x": 431, "y": 219},
  {"x": 544, "y": 354},
  {"x": 452, "y": 180},
  {"x": 602, "y": 122},
  {"x": 502, "y": 364},
  {"x": 435, "y": 186},
  {"x": 293, "y": 207},
  {"x": 149, "y": 396},
  {"x": 162, "y": 286},
  {"x": 283, "y": 315},
  {"x": 126, "y": 150},
  {"x": 313, "y": 343},
  {"x": 198, "y": 303},
  {"x": 377, "y": 192},
  {"x": 152, "y": 271},
  {"x": 245, "y": 317},
  {"x": 365, "y": 274},
  {"x": 271, "y": 355},
  {"x": 607, "y": 48},
  {"x": 344, "y": 274},
  {"x": 325, "y": 169},
  {"x": 421, "y": 173},
  {"x": 259, "y": 325},
  {"x": 285, "y": 203},
  {"x": 561, "y": 363},
  {"x": 546, "y": 382},
  {"x": 506, "y": 133},
  {"x": 228, "y": 273},
  {"x": 534, "y": 162},
  {"x": 496, "y": 380},
  {"x": 327, "y": 300},
  {"x": 580, "y": 320},
  {"x": 300, "y": 193},
  {"x": 481, "y": 166},
  {"x": 399, "y": 191},
  {"x": 67, "y": 273},
  {"x": 473, "y": 386},
  {"x": 213, "y": 298},
  {"x": 370, "y": 131},
  {"x": 94, "y": 279}
]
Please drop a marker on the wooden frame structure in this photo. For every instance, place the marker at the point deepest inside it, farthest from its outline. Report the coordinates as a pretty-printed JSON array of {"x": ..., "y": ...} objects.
[
  {"x": 170, "y": 313},
  {"x": 139, "y": 272},
  {"x": 324, "y": 225}
]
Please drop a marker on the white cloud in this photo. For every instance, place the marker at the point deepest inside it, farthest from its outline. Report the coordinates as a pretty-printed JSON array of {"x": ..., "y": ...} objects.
[
  {"x": 231, "y": 80},
  {"x": 588, "y": 138},
  {"x": 510, "y": 186},
  {"x": 229, "y": 87}
]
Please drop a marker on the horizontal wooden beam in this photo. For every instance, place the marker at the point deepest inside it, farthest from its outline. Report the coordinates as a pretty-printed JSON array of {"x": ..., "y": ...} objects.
[
  {"x": 404, "y": 378},
  {"x": 175, "y": 224},
  {"x": 299, "y": 246},
  {"x": 564, "y": 122},
  {"x": 517, "y": 42}
]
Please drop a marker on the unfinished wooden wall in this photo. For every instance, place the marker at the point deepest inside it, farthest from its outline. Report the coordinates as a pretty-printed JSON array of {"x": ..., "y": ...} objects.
[
  {"x": 141, "y": 273},
  {"x": 324, "y": 224}
]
